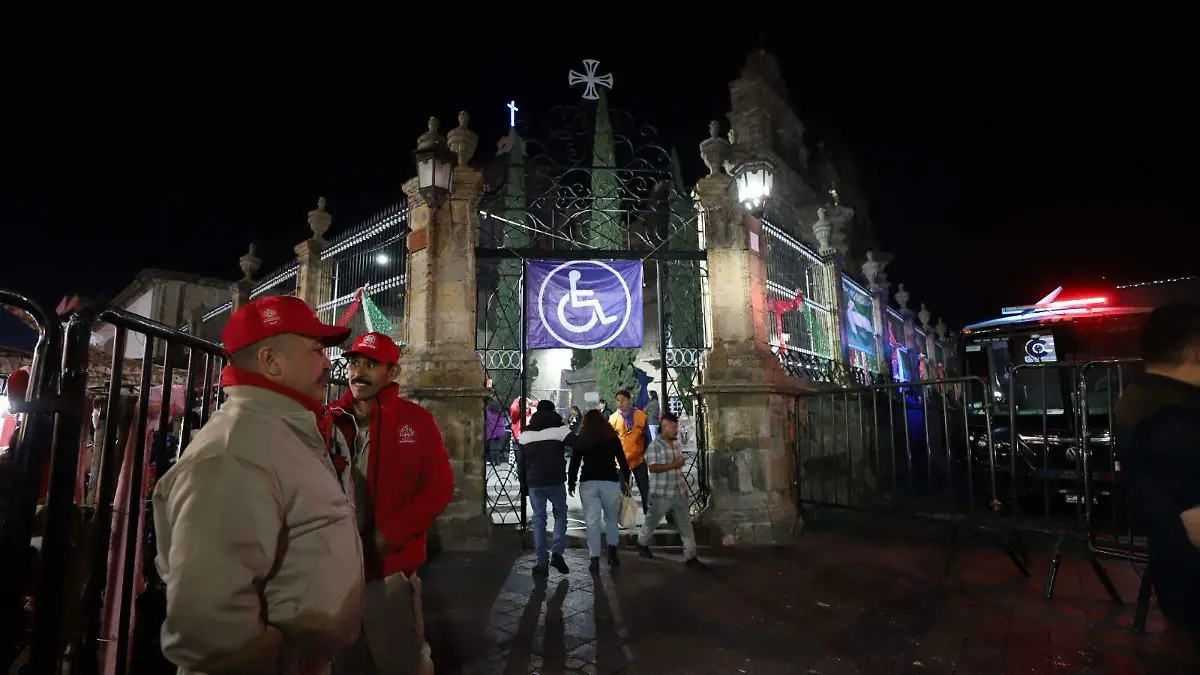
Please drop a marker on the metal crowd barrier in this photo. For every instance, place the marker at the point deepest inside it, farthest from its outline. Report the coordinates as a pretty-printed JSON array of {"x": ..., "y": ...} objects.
[
  {"x": 915, "y": 449},
  {"x": 74, "y": 591},
  {"x": 1041, "y": 461},
  {"x": 23, "y": 475},
  {"x": 1066, "y": 481}
]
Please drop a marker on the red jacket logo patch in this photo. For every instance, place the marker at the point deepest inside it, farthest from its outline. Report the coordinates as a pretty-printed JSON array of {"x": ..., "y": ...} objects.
[{"x": 406, "y": 434}]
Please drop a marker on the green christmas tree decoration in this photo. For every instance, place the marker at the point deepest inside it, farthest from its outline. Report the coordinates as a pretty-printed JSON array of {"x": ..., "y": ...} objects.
[
  {"x": 614, "y": 367},
  {"x": 507, "y": 310}
]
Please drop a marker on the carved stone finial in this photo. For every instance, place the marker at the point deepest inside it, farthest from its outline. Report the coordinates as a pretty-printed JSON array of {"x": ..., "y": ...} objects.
[
  {"x": 924, "y": 316},
  {"x": 902, "y": 297},
  {"x": 871, "y": 270},
  {"x": 250, "y": 263},
  {"x": 319, "y": 220},
  {"x": 714, "y": 149},
  {"x": 822, "y": 230},
  {"x": 430, "y": 138},
  {"x": 941, "y": 329},
  {"x": 463, "y": 141}
]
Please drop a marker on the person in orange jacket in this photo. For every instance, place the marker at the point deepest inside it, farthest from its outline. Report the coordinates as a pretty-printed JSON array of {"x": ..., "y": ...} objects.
[
  {"x": 403, "y": 482},
  {"x": 634, "y": 433}
]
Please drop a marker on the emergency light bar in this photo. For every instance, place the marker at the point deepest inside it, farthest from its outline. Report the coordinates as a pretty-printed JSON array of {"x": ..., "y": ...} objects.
[{"x": 1055, "y": 305}]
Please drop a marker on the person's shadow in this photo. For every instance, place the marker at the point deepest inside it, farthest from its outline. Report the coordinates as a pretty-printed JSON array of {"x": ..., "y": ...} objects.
[
  {"x": 609, "y": 655},
  {"x": 553, "y": 647}
]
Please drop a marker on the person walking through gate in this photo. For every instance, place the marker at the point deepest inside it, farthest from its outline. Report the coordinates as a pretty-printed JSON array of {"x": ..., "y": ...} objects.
[
  {"x": 1157, "y": 427},
  {"x": 668, "y": 491},
  {"x": 256, "y": 534},
  {"x": 542, "y": 470},
  {"x": 630, "y": 424},
  {"x": 405, "y": 481},
  {"x": 653, "y": 414},
  {"x": 599, "y": 452}
]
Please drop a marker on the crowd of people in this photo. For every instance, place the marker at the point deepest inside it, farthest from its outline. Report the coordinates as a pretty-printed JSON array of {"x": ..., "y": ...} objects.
[
  {"x": 291, "y": 532},
  {"x": 607, "y": 454}
]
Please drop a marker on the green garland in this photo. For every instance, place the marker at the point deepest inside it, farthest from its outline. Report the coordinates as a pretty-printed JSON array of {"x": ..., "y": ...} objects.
[{"x": 818, "y": 337}]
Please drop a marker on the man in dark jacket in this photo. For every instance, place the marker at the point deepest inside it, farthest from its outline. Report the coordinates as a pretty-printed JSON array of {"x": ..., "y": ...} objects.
[
  {"x": 542, "y": 470},
  {"x": 1157, "y": 431}
]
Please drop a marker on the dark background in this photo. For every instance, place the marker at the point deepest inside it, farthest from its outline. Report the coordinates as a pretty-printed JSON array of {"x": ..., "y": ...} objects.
[{"x": 997, "y": 170}]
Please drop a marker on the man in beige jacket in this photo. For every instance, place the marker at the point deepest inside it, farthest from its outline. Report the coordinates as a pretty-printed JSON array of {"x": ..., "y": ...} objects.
[{"x": 257, "y": 539}]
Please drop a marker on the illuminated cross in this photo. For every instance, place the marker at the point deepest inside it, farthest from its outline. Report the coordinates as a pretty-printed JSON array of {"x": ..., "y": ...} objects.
[
  {"x": 590, "y": 79},
  {"x": 512, "y": 114}
]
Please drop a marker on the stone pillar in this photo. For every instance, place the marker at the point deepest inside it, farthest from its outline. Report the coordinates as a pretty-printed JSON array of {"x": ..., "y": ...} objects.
[
  {"x": 924, "y": 316},
  {"x": 909, "y": 339},
  {"x": 873, "y": 271},
  {"x": 748, "y": 397},
  {"x": 312, "y": 276},
  {"x": 240, "y": 290},
  {"x": 830, "y": 277},
  {"x": 439, "y": 367},
  {"x": 940, "y": 328}
]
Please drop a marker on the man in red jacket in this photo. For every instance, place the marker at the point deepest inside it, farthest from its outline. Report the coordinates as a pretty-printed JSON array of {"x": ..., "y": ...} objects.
[{"x": 402, "y": 482}]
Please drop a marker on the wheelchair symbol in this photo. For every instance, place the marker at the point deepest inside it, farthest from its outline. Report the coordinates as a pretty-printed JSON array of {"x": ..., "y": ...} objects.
[
  {"x": 576, "y": 296},
  {"x": 577, "y": 319}
]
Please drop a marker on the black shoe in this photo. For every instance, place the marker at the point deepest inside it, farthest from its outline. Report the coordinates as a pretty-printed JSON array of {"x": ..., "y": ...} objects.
[
  {"x": 594, "y": 567},
  {"x": 557, "y": 562},
  {"x": 541, "y": 571},
  {"x": 613, "y": 560},
  {"x": 644, "y": 551},
  {"x": 693, "y": 563}
]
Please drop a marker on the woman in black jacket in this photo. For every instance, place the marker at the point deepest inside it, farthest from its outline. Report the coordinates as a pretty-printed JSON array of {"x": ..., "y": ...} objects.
[{"x": 600, "y": 453}]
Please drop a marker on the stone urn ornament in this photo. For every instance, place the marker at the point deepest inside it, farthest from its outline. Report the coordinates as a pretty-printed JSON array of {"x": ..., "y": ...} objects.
[
  {"x": 902, "y": 297},
  {"x": 714, "y": 149},
  {"x": 250, "y": 263}
]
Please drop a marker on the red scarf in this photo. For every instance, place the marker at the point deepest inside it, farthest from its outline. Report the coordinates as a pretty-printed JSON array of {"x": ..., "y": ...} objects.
[{"x": 232, "y": 376}]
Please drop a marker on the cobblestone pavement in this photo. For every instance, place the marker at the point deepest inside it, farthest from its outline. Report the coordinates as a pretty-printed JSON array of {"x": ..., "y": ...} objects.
[{"x": 832, "y": 604}]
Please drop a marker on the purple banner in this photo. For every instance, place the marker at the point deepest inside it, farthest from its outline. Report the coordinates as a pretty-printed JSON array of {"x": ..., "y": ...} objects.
[{"x": 583, "y": 304}]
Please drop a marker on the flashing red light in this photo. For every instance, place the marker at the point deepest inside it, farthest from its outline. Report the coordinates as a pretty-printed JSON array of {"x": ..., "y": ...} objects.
[
  {"x": 1080, "y": 302},
  {"x": 1055, "y": 305}
]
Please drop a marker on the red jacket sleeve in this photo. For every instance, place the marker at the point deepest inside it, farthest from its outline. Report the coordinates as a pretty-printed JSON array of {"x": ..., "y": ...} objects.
[{"x": 435, "y": 488}]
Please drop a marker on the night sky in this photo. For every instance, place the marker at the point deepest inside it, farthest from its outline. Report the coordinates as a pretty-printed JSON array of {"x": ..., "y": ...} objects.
[{"x": 996, "y": 173}]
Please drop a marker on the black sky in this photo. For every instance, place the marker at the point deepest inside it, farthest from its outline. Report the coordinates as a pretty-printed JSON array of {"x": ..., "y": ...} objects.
[{"x": 996, "y": 172}]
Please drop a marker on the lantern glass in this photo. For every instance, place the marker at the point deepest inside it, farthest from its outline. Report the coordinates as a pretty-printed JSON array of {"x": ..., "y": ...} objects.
[
  {"x": 754, "y": 183},
  {"x": 435, "y": 167}
]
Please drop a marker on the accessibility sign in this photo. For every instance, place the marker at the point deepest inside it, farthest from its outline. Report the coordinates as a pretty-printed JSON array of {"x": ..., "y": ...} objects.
[{"x": 584, "y": 304}]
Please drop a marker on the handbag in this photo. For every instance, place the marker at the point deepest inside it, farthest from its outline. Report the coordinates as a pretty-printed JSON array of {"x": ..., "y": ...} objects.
[{"x": 627, "y": 512}]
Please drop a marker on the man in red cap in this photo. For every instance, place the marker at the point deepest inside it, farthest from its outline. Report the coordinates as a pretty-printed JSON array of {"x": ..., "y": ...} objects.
[
  {"x": 403, "y": 480},
  {"x": 257, "y": 539}
]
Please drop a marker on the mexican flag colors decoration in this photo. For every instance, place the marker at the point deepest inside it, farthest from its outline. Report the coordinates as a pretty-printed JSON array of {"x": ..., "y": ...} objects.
[{"x": 376, "y": 320}]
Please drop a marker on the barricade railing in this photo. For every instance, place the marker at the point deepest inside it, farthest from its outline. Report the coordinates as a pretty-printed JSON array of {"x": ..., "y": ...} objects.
[
  {"x": 909, "y": 449},
  {"x": 88, "y": 576},
  {"x": 21, "y": 477},
  {"x": 1064, "y": 471}
]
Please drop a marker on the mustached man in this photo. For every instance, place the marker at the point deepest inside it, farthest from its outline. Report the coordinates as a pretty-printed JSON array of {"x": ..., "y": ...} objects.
[{"x": 404, "y": 481}]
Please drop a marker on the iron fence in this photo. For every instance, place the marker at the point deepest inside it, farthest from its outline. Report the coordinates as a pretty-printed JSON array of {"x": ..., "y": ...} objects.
[{"x": 96, "y": 528}]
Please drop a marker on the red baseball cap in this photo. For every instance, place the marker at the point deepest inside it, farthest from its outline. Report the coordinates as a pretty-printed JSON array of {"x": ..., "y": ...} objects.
[
  {"x": 18, "y": 383},
  {"x": 277, "y": 315},
  {"x": 376, "y": 346}
]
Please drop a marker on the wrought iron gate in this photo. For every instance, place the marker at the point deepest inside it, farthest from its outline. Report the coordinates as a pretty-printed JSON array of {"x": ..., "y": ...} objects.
[{"x": 600, "y": 188}]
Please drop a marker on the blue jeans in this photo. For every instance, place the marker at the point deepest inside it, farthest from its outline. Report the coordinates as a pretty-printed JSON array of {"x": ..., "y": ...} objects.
[
  {"x": 597, "y": 496},
  {"x": 557, "y": 496}
]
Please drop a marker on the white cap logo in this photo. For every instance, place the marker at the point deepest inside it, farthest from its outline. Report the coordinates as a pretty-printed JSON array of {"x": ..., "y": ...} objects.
[
  {"x": 368, "y": 341},
  {"x": 270, "y": 316}
]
